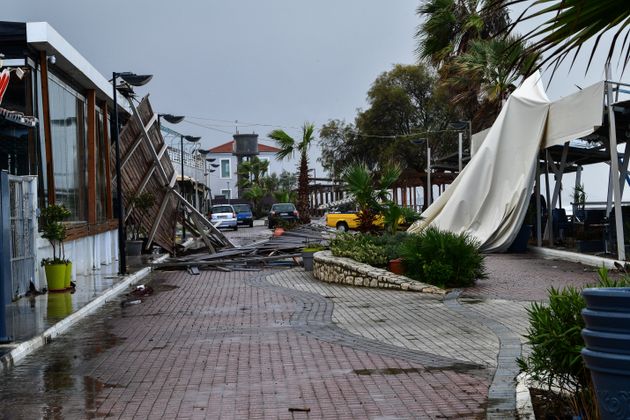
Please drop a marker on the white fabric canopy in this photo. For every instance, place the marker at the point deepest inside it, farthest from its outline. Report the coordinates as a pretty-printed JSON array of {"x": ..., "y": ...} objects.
[{"x": 489, "y": 198}]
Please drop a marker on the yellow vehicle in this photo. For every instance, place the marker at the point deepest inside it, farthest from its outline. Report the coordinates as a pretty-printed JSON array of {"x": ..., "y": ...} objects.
[{"x": 349, "y": 220}]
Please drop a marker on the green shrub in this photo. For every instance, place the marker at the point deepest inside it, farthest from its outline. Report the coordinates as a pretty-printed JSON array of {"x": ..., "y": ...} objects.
[
  {"x": 442, "y": 258},
  {"x": 556, "y": 341},
  {"x": 360, "y": 248},
  {"x": 390, "y": 243},
  {"x": 410, "y": 215}
]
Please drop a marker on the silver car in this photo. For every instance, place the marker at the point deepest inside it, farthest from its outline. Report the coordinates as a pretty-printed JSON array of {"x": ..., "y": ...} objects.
[{"x": 223, "y": 216}]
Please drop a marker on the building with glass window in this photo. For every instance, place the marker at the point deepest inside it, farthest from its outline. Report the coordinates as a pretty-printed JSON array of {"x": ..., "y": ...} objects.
[
  {"x": 69, "y": 148},
  {"x": 223, "y": 181}
]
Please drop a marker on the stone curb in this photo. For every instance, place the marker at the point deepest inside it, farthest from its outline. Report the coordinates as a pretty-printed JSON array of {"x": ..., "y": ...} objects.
[
  {"x": 331, "y": 269},
  {"x": 524, "y": 407},
  {"x": 22, "y": 350}
]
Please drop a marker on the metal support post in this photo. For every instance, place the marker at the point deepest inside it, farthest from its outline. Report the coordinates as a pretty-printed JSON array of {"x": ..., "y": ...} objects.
[
  {"x": 460, "y": 148},
  {"x": 5, "y": 254}
]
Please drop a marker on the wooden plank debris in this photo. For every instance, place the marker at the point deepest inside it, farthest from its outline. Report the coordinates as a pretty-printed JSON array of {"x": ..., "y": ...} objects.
[{"x": 285, "y": 249}]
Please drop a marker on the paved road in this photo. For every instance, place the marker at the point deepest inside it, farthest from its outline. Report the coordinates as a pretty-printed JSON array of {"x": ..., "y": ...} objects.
[{"x": 279, "y": 344}]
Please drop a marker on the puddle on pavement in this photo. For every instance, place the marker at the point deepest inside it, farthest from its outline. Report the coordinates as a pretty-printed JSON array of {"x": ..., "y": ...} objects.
[
  {"x": 471, "y": 301},
  {"x": 364, "y": 306},
  {"x": 386, "y": 371}
]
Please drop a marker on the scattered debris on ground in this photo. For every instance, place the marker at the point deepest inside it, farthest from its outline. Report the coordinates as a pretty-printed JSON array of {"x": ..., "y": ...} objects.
[{"x": 276, "y": 251}]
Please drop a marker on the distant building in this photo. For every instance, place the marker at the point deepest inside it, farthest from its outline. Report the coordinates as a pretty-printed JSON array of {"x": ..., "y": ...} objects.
[{"x": 223, "y": 180}]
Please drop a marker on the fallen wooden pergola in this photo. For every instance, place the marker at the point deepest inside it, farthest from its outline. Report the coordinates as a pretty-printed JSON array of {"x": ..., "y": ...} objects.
[
  {"x": 278, "y": 250},
  {"x": 145, "y": 166}
]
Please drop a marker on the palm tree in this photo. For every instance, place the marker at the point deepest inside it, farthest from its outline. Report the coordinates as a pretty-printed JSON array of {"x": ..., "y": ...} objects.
[
  {"x": 288, "y": 147},
  {"x": 250, "y": 172},
  {"x": 491, "y": 64},
  {"x": 451, "y": 25},
  {"x": 449, "y": 30},
  {"x": 369, "y": 192},
  {"x": 570, "y": 23}
]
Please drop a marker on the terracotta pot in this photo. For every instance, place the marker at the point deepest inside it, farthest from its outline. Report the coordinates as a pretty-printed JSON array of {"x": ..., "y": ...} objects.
[{"x": 396, "y": 266}]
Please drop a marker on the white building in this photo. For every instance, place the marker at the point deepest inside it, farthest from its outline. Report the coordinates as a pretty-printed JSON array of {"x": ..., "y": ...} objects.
[{"x": 223, "y": 180}]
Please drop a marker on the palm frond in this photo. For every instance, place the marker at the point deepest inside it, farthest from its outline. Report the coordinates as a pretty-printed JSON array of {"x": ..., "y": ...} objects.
[{"x": 285, "y": 143}]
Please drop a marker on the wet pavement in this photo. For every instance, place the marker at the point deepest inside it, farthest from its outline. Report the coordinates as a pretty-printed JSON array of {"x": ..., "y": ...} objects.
[{"x": 280, "y": 344}]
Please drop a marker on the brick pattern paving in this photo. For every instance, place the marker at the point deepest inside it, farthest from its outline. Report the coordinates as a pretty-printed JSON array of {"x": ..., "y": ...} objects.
[
  {"x": 216, "y": 346},
  {"x": 524, "y": 277},
  {"x": 403, "y": 319}
]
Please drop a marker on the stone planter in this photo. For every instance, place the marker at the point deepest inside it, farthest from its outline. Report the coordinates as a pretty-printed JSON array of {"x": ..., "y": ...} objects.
[{"x": 607, "y": 352}]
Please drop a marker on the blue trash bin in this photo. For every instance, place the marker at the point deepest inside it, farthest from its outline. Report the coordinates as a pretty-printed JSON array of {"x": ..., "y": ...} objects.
[{"x": 607, "y": 351}]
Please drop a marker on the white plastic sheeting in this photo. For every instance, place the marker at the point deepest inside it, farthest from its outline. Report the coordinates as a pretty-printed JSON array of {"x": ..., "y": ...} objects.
[{"x": 489, "y": 199}]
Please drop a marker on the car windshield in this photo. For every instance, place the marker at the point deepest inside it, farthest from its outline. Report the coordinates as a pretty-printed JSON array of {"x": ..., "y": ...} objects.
[
  {"x": 222, "y": 209},
  {"x": 241, "y": 208},
  {"x": 283, "y": 207}
]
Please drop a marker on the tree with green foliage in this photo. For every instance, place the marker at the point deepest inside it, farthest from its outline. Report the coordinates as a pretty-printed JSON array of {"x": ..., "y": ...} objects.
[
  {"x": 288, "y": 146},
  {"x": 369, "y": 190},
  {"x": 250, "y": 172},
  {"x": 402, "y": 106}
]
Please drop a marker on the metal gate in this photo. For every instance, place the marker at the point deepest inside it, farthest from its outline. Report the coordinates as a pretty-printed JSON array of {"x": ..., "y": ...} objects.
[{"x": 21, "y": 199}]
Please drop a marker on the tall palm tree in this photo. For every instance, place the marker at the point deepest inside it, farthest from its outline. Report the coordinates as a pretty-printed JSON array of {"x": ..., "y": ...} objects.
[
  {"x": 288, "y": 146},
  {"x": 369, "y": 191},
  {"x": 449, "y": 30},
  {"x": 491, "y": 63},
  {"x": 570, "y": 23}
]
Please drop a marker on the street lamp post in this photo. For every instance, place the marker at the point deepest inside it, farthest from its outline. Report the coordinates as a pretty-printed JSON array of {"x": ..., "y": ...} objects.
[
  {"x": 461, "y": 126},
  {"x": 191, "y": 139},
  {"x": 133, "y": 80}
]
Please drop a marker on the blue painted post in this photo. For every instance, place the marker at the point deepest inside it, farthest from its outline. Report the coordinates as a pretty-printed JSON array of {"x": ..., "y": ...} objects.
[{"x": 5, "y": 254}]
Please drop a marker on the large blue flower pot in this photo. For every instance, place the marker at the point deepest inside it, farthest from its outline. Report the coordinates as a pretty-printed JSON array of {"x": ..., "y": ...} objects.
[{"x": 607, "y": 352}]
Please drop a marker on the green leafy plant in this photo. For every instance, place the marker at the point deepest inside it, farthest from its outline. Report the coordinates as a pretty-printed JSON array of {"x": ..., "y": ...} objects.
[
  {"x": 140, "y": 204},
  {"x": 410, "y": 216},
  {"x": 390, "y": 243},
  {"x": 442, "y": 258},
  {"x": 54, "y": 230},
  {"x": 359, "y": 247},
  {"x": 370, "y": 191},
  {"x": 392, "y": 215},
  {"x": 555, "y": 337}
]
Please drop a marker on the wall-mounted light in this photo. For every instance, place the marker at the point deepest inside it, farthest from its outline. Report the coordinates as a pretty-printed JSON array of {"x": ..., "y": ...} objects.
[{"x": 51, "y": 59}]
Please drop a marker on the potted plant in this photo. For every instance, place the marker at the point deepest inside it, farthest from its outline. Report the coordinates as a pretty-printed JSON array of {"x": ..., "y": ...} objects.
[
  {"x": 136, "y": 234},
  {"x": 54, "y": 230}
]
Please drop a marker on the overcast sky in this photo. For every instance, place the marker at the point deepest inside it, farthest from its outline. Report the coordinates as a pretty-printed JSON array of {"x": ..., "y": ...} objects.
[{"x": 269, "y": 62}]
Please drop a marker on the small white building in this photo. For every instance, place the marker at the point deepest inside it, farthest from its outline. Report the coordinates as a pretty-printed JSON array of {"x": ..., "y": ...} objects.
[{"x": 224, "y": 178}]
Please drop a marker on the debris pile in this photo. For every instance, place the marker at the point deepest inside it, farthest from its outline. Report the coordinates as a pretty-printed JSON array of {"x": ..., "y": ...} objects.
[{"x": 281, "y": 250}]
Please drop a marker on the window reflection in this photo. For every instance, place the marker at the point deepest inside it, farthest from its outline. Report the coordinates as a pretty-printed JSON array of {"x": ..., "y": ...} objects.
[{"x": 67, "y": 117}]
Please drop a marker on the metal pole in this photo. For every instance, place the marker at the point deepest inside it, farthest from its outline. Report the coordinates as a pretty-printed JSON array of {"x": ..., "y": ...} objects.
[
  {"x": 122, "y": 258},
  {"x": 5, "y": 254},
  {"x": 460, "y": 145},
  {"x": 181, "y": 151},
  {"x": 429, "y": 191},
  {"x": 614, "y": 168}
]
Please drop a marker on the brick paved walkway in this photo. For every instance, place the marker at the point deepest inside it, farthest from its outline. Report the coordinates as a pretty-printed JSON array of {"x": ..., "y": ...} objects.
[
  {"x": 219, "y": 346},
  {"x": 280, "y": 344}
]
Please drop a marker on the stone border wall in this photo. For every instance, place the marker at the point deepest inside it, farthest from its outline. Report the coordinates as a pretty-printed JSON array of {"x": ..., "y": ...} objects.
[{"x": 331, "y": 269}]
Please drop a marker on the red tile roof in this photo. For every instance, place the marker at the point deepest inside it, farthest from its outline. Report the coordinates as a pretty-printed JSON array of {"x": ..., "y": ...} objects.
[{"x": 229, "y": 147}]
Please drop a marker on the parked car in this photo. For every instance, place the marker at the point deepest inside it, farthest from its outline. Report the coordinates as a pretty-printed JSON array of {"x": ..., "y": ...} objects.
[
  {"x": 224, "y": 215},
  {"x": 285, "y": 212},
  {"x": 244, "y": 214}
]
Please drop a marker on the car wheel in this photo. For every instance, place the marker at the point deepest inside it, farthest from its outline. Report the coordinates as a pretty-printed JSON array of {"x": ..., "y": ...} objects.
[
  {"x": 235, "y": 227},
  {"x": 251, "y": 223},
  {"x": 342, "y": 227}
]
